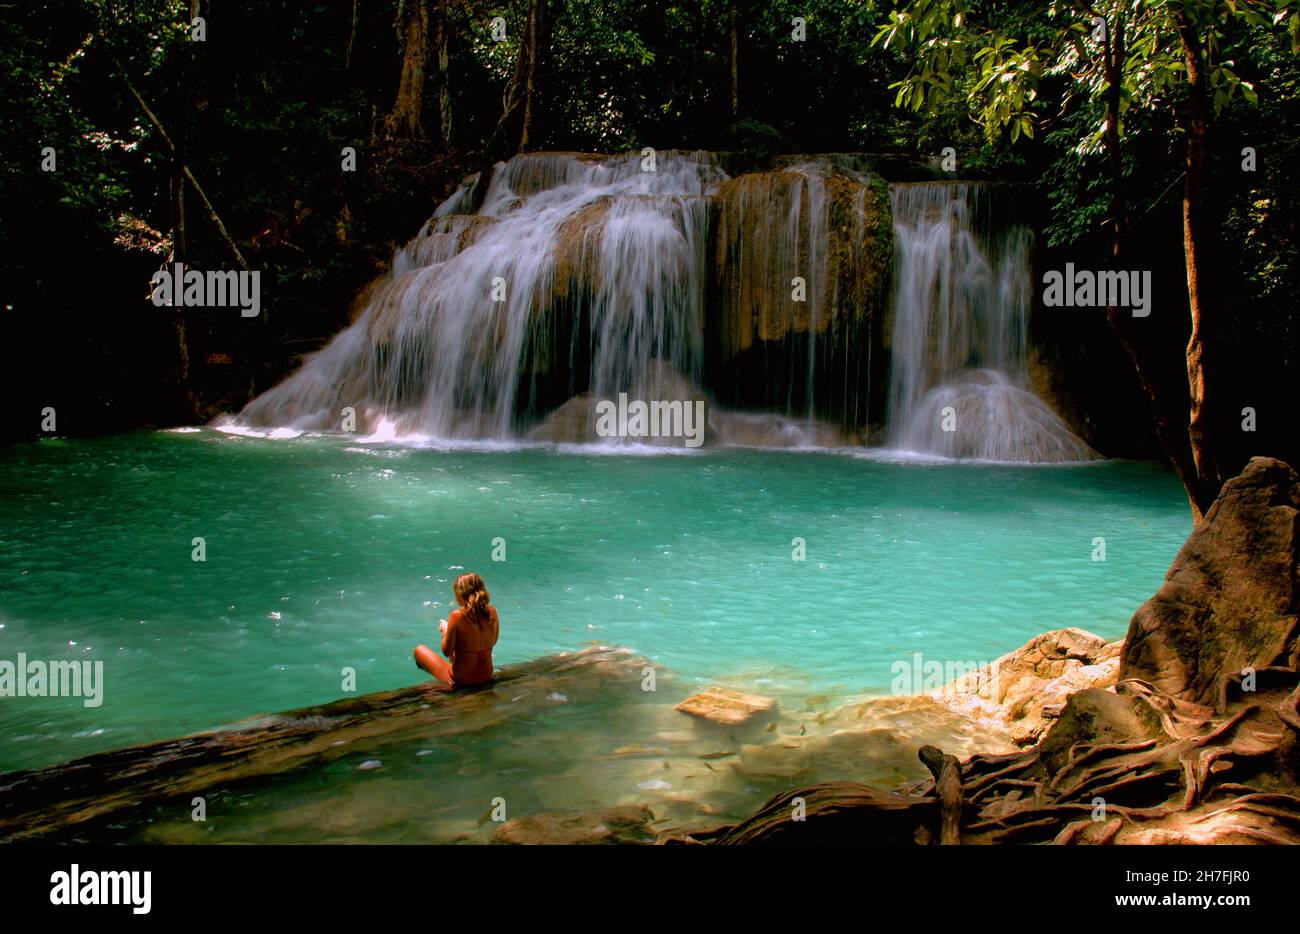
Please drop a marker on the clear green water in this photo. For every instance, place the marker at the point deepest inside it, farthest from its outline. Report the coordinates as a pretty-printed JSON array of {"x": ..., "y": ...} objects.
[{"x": 324, "y": 553}]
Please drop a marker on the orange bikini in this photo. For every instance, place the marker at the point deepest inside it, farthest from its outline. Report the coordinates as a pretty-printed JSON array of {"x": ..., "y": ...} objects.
[{"x": 468, "y": 646}]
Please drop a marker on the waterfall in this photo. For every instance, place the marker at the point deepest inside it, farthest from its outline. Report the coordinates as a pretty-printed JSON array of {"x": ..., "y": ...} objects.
[
  {"x": 817, "y": 229},
  {"x": 581, "y": 277},
  {"x": 959, "y": 384},
  {"x": 576, "y": 275}
]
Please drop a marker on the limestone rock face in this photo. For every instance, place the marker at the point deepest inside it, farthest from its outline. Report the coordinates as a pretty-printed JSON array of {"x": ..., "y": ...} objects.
[
  {"x": 438, "y": 241},
  {"x": 619, "y": 825},
  {"x": 825, "y": 225},
  {"x": 1231, "y": 600},
  {"x": 577, "y": 250},
  {"x": 1026, "y": 689},
  {"x": 727, "y": 707}
]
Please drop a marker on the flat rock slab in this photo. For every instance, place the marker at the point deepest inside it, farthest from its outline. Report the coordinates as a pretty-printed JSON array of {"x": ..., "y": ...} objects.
[
  {"x": 727, "y": 707},
  {"x": 629, "y": 824},
  {"x": 111, "y": 786}
]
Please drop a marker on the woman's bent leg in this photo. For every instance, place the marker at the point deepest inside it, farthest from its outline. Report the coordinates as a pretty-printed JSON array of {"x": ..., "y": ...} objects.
[{"x": 429, "y": 660}]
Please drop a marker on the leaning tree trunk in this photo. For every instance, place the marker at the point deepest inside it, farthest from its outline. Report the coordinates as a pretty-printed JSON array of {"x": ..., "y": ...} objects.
[
  {"x": 518, "y": 128},
  {"x": 1174, "y": 443},
  {"x": 1208, "y": 478},
  {"x": 185, "y": 170},
  {"x": 406, "y": 120}
]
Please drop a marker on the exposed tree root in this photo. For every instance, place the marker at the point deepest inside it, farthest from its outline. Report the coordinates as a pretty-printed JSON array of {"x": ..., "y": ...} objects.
[
  {"x": 947, "y": 787},
  {"x": 1136, "y": 766}
]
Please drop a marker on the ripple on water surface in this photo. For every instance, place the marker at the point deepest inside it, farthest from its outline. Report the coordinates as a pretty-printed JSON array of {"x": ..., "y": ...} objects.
[{"x": 324, "y": 554}]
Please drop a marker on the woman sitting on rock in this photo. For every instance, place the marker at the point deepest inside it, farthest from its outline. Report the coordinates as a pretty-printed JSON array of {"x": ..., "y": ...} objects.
[{"x": 468, "y": 635}]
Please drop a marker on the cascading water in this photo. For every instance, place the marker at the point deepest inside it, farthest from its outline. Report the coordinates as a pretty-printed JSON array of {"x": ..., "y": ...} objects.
[
  {"x": 959, "y": 373},
  {"x": 581, "y": 277},
  {"x": 465, "y": 326},
  {"x": 812, "y": 229}
]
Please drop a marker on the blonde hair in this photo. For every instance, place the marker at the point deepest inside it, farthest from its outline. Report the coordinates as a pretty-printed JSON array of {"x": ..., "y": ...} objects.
[{"x": 470, "y": 590}]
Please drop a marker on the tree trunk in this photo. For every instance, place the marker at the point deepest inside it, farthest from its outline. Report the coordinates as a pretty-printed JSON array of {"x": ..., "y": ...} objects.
[
  {"x": 1173, "y": 443},
  {"x": 179, "y": 255},
  {"x": 442, "y": 46},
  {"x": 185, "y": 170},
  {"x": 1113, "y": 51},
  {"x": 1208, "y": 476},
  {"x": 735, "y": 61},
  {"x": 352, "y": 38},
  {"x": 406, "y": 120},
  {"x": 518, "y": 127},
  {"x": 180, "y": 242}
]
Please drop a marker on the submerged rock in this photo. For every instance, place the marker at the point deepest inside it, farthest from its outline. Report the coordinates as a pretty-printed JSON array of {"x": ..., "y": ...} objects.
[
  {"x": 727, "y": 707},
  {"x": 873, "y": 741},
  {"x": 654, "y": 784},
  {"x": 1231, "y": 600},
  {"x": 572, "y": 423},
  {"x": 986, "y": 415},
  {"x": 620, "y": 825},
  {"x": 576, "y": 421},
  {"x": 764, "y": 430}
]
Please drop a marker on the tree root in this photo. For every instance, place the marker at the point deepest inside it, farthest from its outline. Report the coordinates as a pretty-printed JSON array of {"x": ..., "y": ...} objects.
[{"x": 1200, "y": 775}]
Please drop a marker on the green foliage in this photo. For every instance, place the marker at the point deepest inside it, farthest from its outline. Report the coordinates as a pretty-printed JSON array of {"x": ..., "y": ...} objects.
[
  {"x": 757, "y": 140},
  {"x": 1260, "y": 243},
  {"x": 996, "y": 56}
]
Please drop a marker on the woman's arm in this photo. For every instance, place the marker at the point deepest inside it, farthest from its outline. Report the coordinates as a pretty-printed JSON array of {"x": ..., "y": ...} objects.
[{"x": 449, "y": 637}]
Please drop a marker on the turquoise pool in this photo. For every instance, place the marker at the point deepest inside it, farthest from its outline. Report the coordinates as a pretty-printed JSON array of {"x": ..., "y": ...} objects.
[{"x": 325, "y": 553}]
